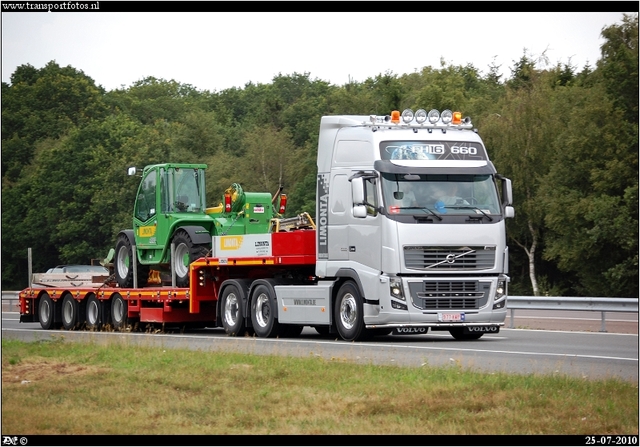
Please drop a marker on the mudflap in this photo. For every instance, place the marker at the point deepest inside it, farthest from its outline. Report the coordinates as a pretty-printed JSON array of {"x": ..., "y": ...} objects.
[{"x": 481, "y": 330}]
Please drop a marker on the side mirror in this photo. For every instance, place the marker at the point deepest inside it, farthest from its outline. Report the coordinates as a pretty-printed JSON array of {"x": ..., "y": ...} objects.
[
  {"x": 509, "y": 211},
  {"x": 357, "y": 191},
  {"x": 132, "y": 170},
  {"x": 360, "y": 211},
  {"x": 506, "y": 192}
]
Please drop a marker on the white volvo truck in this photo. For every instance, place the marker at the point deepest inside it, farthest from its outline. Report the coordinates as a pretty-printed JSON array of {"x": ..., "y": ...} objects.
[{"x": 411, "y": 234}]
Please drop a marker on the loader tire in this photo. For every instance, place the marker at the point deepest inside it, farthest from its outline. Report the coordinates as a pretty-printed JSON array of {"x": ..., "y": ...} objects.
[
  {"x": 185, "y": 253},
  {"x": 124, "y": 264}
]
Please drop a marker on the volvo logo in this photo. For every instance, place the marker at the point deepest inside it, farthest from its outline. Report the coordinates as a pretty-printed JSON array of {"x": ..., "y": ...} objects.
[{"x": 451, "y": 258}]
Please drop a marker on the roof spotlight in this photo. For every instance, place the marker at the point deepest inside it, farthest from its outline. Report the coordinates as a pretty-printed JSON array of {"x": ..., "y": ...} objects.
[
  {"x": 434, "y": 116},
  {"x": 407, "y": 116},
  {"x": 421, "y": 116},
  {"x": 447, "y": 116}
]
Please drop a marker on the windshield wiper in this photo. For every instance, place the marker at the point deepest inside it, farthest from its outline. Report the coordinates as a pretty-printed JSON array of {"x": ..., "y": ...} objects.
[
  {"x": 420, "y": 208},
  {"x": 471, "y": 208}
]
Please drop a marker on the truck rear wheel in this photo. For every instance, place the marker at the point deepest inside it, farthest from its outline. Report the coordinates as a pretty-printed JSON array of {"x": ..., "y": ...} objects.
[
  {"x": 232, "y": 315},
  {"x": 185, "y": 253},
  {"x": 124, "y": 264},
  {"x": 119, "y": 312},
  {"x": 263, "y": 318},
  {"x": 348, "y": 313},
  {"x": 72, "y": 313},
  {"x": 47, "y": 310}
]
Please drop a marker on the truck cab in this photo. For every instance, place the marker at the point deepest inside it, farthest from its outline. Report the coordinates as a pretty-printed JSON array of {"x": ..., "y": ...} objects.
[{"x": 412, "y": 212}]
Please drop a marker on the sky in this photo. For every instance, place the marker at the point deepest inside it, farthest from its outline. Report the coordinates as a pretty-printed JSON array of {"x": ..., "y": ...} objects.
[{"x": 215, "y": 51}]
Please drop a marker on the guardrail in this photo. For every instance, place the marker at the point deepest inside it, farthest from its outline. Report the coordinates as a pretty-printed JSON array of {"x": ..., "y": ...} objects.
[
  {"x": 597, "y": 304},
  {"x": 562, "y": 303}
]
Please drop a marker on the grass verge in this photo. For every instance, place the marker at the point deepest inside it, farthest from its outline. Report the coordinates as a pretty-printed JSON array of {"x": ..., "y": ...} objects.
[{"x": 55, "y": 387}]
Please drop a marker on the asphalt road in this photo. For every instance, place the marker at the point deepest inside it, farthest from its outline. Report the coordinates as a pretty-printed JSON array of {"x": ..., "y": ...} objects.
[{"x": 586, "y": 353}]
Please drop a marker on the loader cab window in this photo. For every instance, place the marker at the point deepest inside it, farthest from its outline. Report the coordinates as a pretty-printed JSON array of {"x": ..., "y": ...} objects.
[
  {"x": 188, "y": 190},
  {"x": 146, "y": 201}
]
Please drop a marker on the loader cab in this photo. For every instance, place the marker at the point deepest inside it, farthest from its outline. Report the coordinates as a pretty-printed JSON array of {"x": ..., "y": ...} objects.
[{"x": 170, "y": 196}]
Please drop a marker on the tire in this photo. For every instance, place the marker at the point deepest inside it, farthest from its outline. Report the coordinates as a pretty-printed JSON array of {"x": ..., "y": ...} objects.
[
  {"x": 458, "y": 334},
  {"x": 72, "y": 313},
  {"x": 263, "y": 312},
  {"x": 231, "y": 309},
  {"x": 94, "y": 313},
  {"x": 119, "y": 312},
  {"x": 123, "y": 264},
  {"x": 47, "y": 310},
  {"x": 185, "y": 253},
  {"x": 348, "y": 313}
]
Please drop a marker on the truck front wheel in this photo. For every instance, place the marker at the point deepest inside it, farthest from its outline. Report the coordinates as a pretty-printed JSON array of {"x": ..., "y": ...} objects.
[
  {"x": 124, "y": 264},
  {"x": 263, "y": 318},
  {"x": 458, "y": 334},
  {"x": 185, "y": 253},
  {"x": 348, "y": 313},
  {"x": 232, "y": 315}
]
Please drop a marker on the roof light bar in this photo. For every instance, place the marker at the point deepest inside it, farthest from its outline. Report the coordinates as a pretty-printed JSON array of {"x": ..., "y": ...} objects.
[{"x": 420, "y": 119}]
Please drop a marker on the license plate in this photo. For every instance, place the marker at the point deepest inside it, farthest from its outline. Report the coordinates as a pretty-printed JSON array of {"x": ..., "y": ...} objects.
[{"x": 451, "y": 317}]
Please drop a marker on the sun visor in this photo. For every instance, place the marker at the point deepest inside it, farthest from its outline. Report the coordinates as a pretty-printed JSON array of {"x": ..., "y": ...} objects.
[{"x": 456, "y": 167}]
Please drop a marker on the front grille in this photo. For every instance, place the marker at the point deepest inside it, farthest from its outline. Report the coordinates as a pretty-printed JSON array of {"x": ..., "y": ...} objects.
[
  {"x": 437, "y": 295},
  {"x": 449, "y": 258}
]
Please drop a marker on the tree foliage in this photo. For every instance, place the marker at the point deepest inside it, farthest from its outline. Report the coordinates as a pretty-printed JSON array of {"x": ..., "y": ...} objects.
[{"x": 568, "y": 139}]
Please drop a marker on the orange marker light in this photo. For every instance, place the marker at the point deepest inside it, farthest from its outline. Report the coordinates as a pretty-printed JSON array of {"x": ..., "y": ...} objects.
[
  {"x": 395, "y": 116},
  {"x": 457, "y": 118}
]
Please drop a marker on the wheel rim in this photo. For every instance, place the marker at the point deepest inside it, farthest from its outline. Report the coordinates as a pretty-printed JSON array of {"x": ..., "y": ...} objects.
[
  {"x": 122, "y": 262},
  {"x": 92, "y": 312},
  {"x": 45, "y": 311},
  {"x": 67, "y": 311},
  {"x": 348, "y": 311},
  {"x": 263, "y": 311},
  {"x": 118, "y": 310},
  {"x": 231, "y": 309},
  {"x": 181, "y": 264}
]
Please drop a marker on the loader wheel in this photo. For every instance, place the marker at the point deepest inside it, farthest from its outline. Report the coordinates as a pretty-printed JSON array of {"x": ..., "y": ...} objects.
[
  {"x": 119, "y": 312},
  {"x": 232, "y": 315},
  {"x": 263, "y": 318},
  {"x": 124, "y": 264},
  {"x": 72, "y": 313},
  {"x": 185, "y": 253},
  {"x": 349, "y": 315},
  {"x": 47, "y": 310}
]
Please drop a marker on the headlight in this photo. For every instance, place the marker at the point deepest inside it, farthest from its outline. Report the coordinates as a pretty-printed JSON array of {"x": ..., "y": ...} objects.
[{"x": 395, "y": 289}]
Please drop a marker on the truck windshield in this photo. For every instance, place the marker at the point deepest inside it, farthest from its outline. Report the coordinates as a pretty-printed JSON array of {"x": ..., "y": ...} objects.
[{"x": 440, "y": 194}]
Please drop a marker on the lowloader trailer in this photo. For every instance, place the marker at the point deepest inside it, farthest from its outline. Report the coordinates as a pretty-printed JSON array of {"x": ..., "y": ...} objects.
[{"x": 409, "y": 236}]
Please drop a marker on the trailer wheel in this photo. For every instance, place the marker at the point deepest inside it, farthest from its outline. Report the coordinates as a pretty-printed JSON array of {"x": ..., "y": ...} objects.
[
  {"x": 71, "y": 313},
  {"x": 348, "y": 313},
  {"x": 232, "y": 316},
  {"x": 458, "y": 334},
  {"x": 262, "y": 312},
  {"x": 119, "y": 312},
  {"x": 46, "y": 311},
  {"x": 185, "y": 253},
  {"x": 94, "y": 314},
  {"x": 124, "y": 264}
]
